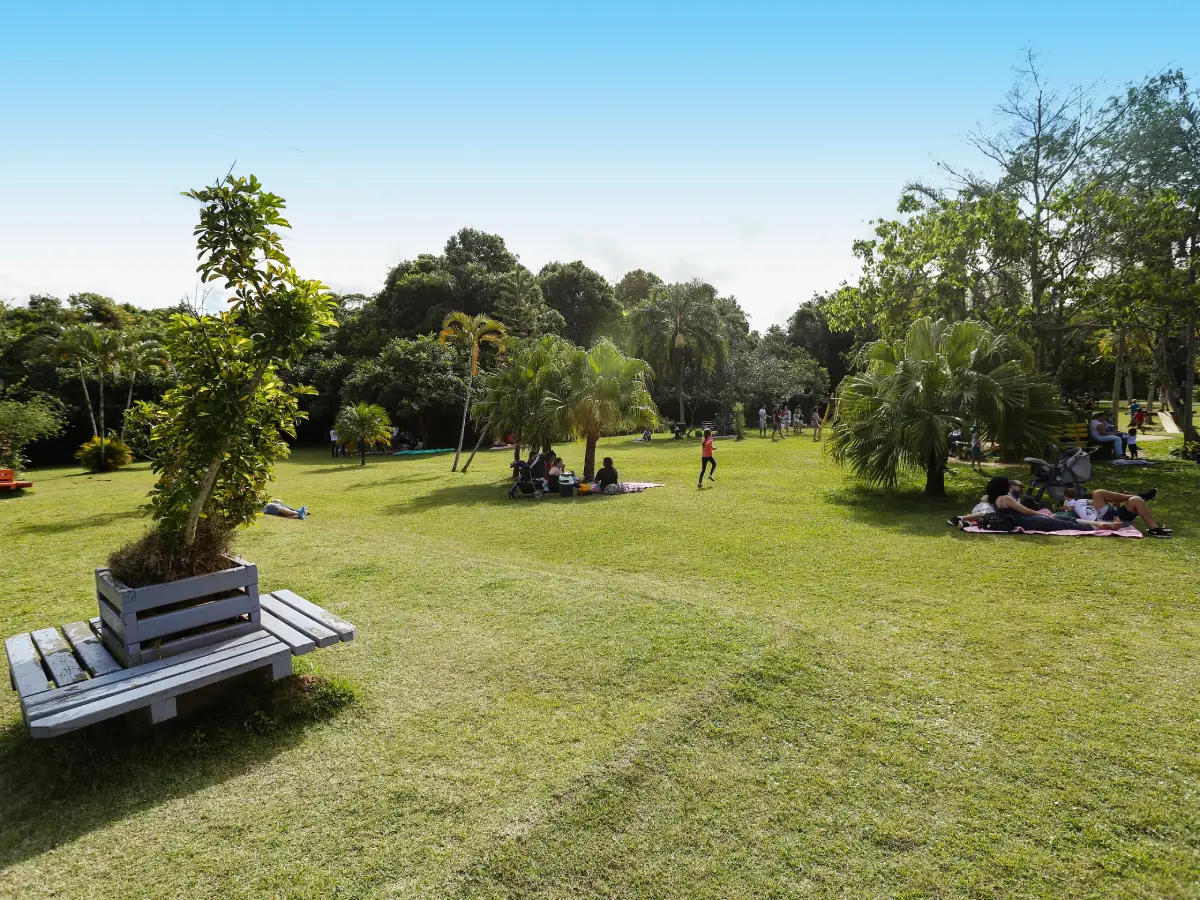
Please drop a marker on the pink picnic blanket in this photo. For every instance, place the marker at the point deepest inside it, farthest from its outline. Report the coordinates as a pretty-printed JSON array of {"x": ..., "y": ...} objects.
[
  {"x": 636, "y": 487},
  {"x": 1128, "y": 531}
]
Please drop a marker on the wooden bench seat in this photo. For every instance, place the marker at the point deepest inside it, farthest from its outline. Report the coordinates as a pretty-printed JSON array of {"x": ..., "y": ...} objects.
[
  {"x": 8, "y": 481},
  {"x": 69, "y": 680}
]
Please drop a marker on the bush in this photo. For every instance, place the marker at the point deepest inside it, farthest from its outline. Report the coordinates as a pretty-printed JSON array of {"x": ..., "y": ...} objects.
[{"x": 116, "y": 455}]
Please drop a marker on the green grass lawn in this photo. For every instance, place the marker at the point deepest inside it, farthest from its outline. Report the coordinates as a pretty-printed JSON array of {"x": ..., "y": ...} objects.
[{"x": 781, "y": 685}]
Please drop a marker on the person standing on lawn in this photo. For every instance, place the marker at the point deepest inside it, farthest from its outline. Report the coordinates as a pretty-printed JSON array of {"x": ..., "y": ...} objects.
[
  {"x": 333, "y": 441},
  {"x": 816, "y": 423},
  {"x": 707, "y": 460},
  {"x": 762, "y": 421}
]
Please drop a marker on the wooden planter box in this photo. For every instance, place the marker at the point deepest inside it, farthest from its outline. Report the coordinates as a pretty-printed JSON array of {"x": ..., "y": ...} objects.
[{"x": 138, "y": 625}]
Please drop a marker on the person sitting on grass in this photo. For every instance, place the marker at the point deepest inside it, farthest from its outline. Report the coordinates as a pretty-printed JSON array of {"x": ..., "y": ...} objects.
[
  {"x": 1113, "y": 506},
  {"x": 276, "y": 508},
  {"x": 606, "y": 478}
]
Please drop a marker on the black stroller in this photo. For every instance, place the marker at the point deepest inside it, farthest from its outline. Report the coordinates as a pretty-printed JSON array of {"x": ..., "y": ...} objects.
[
  {"x": 526, "y": 481},
  {"x": 1073, "y": 468}
]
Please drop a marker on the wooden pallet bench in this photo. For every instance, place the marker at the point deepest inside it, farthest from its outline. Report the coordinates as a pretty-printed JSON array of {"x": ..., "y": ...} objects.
[
  {"x": 69, "y": 680},
  {"x": 8, "y": 481}
]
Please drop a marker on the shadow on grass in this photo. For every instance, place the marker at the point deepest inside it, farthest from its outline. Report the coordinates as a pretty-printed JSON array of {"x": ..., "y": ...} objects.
[
  {"x": 493, "y": 493},
  {"x": 909, "y": 511},
  {"x": 52, "y": 791},
  {"x": 76, "y": 524}
]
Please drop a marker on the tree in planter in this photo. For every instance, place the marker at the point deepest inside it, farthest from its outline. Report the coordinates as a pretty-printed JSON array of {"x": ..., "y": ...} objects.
[
  {"x": 22, "y": 423},
  {"x": 216, "y": 434},
  {"x": 470, "y": 333},
  {"x": 897, "y": 415},
  {"x": 598, "y": 390},
  {"x": 367, "y": 425}
]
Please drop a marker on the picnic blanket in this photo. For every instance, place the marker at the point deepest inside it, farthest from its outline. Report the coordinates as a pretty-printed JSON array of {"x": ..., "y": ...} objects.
[
  {"x": 636, "y": 487},
  {"x": 1128, "y": 531},
  {"x": 1133, "y": 462},
  {"x": 423, "y": 452}
]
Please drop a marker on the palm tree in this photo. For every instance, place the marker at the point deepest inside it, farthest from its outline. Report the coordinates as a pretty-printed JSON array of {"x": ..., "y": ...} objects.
[
  {"x": 138, "y": 355},
  {"x": 511, "y": 399},
  {"x": 90, "y": 346},
  {"x": 680, "y": 326},
  {"x": 598, "y": 390},
  {"x": 897, "y": 414},
  {"x": 76, "y": 343},
  {"x": 471, "y": 333},
  {"x": 367, "y": 424}
]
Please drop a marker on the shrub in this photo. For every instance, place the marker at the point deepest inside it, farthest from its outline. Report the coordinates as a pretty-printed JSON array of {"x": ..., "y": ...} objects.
[{"x": 116, "y": 454}]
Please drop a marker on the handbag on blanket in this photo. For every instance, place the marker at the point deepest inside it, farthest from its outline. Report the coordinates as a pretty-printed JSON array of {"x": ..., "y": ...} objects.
[{"x": 997, "y": 522}]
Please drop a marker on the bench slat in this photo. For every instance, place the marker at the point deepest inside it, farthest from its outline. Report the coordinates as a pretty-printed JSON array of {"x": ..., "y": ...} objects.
[
  {"x": 334, "y": 623},
  {"x": 300, "y": 643},
  {"x": 49, "y": 722},
  {"x": 302, "y": 623},
  {"x": 29, "y": 677},
  {"x": 60, "y": 660},
  {"x": 145, "y": 672},
  {"x": 96, "y": 659}
]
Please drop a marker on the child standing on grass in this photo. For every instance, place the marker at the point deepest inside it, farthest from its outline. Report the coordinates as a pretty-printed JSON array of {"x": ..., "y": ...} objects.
[
  {"x": 1131, "y": 442},
  {"x": 976, "y": 449},
  {"x": 816, "y": 423},
  {"x": 706, "y": 459}
]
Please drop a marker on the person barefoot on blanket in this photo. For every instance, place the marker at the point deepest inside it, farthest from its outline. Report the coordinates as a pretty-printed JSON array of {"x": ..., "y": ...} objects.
[{"x": 1113, "y": 506}]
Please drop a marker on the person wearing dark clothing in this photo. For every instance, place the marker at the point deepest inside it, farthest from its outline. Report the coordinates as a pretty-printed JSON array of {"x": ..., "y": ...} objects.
[{"x": 606, "y": 477}]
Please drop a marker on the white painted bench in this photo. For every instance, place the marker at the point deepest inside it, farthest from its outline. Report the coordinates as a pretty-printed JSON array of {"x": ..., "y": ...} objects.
[{"x": 70, "y": 680}]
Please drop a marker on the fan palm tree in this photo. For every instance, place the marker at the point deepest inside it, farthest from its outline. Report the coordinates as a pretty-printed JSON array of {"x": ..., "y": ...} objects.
[
  {"x": 471, "y": 333},
  {"x": 367, "y": 424},
  {"x": 897, "y": 414},
  {"x": 680, "y": 327},
  {"x": 138, "y": 355},
  {"x": 597, "y": 390}
]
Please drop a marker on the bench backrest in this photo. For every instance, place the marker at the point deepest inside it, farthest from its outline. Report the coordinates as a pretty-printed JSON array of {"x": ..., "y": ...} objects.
[{"x": 7, "y": 476}]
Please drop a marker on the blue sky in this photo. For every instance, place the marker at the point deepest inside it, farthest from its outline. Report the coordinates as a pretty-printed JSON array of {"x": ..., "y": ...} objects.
[{"x": 746, "y": 143}]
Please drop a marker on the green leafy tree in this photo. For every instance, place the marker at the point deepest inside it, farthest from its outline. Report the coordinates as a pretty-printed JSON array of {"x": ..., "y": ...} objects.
[
  {"x": 217, "y": 433},
  {"x": 471, "y": 334},
  {"x": 898, "y": 413},
  {"x": 681, "y": 328},
  {"x": 522, "y": 308},
  {"x": 595, "y": 391},
  {"x": 583, "y": 297},
  {"x": 136, "y": 355},
  {"x": 635, "y": 287},
  {"x": 22, "y": 423},
  {"x": 411, "y": 379},
  {"x": 366, "y": 424},
  {"x": 95, "y": 350}
]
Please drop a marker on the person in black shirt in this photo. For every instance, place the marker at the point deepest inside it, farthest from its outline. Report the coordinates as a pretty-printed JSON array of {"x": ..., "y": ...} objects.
[{"x": 606, "y": 477}]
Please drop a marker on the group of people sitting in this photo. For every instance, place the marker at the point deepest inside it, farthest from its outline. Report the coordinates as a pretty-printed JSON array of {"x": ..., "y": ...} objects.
[
  {"x": 549, "y": 468},
  {"x": 1005, "y": 499},
  {"x": 1102, "y": 430}
]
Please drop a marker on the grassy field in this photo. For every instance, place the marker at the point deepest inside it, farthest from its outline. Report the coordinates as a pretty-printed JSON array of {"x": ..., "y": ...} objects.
[{"x": 781, "y": 685}]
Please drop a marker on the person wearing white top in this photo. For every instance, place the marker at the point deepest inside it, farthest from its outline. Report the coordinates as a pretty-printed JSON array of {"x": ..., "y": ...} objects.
[
  {"x": 1113, "y": 506},
  {"x": 333, "y": 441}
]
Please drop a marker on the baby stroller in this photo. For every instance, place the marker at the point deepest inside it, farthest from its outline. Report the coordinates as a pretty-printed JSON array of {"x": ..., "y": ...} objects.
[
  {"x": 1073, "y": 468},
  {"x": 524, "y": 482}
]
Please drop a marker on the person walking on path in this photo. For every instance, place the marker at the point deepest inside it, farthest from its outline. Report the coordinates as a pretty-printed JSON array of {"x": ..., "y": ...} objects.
[
  {"x": 706, "y": 459},
  {"x": 816, "y": 423},
  {"x": 762, "y": 421}
]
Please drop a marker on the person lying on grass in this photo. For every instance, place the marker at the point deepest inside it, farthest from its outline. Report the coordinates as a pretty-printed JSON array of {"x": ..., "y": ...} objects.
[
  {"x": 1004, "y": 496},
  {"x": 276, "y": 508},
  {"x": 1113, "y": 506}
]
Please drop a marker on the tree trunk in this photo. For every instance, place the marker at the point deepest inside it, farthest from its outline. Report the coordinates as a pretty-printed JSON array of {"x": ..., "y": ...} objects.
[
  {"x": 478, "y": 444},
  {"x": 1116, "y": 390},
  {"x": 87, "y": 399},
  {"x": 362, "y": 452},
  {"x": 1129, "y": 383},
  {"x": 128, "y": 403},
  {"x": 679, "y": 389},
  {"x": 103, "y": 433},
  {"x": 935, "y": 476},
  {"x": 1189, "y": 384},
  {"x": 462, "y": 431},
  {"x": 516, "y": 451},
  {"x": 589, "y": 457}
]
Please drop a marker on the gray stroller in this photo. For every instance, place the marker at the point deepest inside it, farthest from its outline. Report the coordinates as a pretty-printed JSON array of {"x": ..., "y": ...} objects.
[{"x": 1073, "y": 468}]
